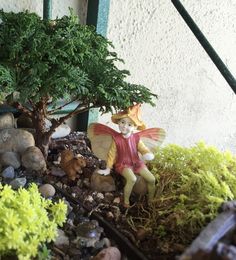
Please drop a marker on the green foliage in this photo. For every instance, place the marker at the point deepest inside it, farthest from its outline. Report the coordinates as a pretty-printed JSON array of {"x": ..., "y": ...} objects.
[
  {"x": 27, "y": 221},
  {"x": 192, "y": 184},
  {"x": 44, "y": 253},
  {"x": 62, "y": 59}
]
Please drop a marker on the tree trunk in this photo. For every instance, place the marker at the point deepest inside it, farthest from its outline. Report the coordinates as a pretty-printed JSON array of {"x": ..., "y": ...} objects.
[
  {"x": 42, "y": 141},
  {"x": 42, "y": 135}
]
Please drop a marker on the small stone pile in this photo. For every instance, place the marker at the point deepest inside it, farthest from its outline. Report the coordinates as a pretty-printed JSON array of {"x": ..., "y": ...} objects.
[{"x": 17, "y": 147}]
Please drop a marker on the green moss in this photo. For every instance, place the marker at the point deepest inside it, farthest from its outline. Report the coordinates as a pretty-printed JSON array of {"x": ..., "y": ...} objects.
[
  {"x": 27, "y": 221},
  {"x": 192, "y": 184}
]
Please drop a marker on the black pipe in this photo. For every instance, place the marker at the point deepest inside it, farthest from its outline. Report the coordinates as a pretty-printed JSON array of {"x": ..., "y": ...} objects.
[
  {"x": 206, "y": 45},
  {"x": 124, "y": 244}
]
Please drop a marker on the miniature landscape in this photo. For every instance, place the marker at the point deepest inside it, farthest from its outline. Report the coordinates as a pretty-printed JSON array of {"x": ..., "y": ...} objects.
[
  {"x": 161, "y": 231},
  {"x": 54, "y": 203}
]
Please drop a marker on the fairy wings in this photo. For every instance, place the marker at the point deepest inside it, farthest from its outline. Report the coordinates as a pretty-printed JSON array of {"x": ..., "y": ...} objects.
[{"x": 101, "y": 138}]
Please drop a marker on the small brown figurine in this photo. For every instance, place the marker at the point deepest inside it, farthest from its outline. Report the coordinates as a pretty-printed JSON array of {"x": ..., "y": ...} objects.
[{"x": 71, "y": 164}]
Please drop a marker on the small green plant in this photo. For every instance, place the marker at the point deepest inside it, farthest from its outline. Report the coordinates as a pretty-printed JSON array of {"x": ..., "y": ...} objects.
[
  {"x": 27, "y": 221},
  {"x": 192, "y": 184},
  {"x": 44, "y": 253}
]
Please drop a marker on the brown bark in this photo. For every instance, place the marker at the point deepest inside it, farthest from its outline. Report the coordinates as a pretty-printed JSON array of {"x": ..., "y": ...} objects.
[{"x": 42, "y": 136}]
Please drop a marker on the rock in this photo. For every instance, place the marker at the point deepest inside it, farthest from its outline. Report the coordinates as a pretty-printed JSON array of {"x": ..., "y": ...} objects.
[
  {"x": 74, "y": 253},
  {"x": 10, "y": 159},
  {"x": 89, "y": 198},
  {"x": 108, "y": 197},
  {"x": 86, "y": 182},
  {"x": 88, "y": 233},
  {"x": 15, "y": 140},
  {"x": 69, "y": 207},
  {"x": 110, "y": 253},
  {"x": 17, "y": 183},
  {"x": 100, "y": 196},
  {"x": 61, "y": 131},
  {"x": 110, "y": 215},
  {"x": 102, "y": 183},
  {"x": 56, "y": 171},
  {"x": 142, "y": 233},
  {"x": 33, "y": 159},
  {"x": 61, "y": 239},
  {"x": 47, "y": 190},
  {"x": 107, "y": 241},
  {"x": 7, "y": 121},
  {"x": 140, "y": 186},
  {"x": 117, "y": 200},
  {"x": 228, "y": 205},
  {"x": 8, "y": 173}
]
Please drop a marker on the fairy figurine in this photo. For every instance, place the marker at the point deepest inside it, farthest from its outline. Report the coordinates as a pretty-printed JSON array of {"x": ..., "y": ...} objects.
[{"x": 128, "y": 149}]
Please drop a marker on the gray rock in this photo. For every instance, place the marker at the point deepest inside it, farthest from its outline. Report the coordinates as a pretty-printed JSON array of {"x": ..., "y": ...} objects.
[
  {"x": 7, "y": 121},
  {"x": 15, "y": 140},
  {"x": 33, "y": 159},
  {"x": 61, "y": 239},
  {"x": 10, "y": 159},
  {"x": 8, "y": 173},
  {"x": 18, "y": 182},
  {"x": 102, "y": 183},
  {"x": 56, "y": 171},
  {"x": 47, "y": 190}
]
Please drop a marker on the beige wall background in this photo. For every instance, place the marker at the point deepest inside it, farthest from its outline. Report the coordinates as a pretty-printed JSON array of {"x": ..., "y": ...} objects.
[{"x": 195, "y": 102}]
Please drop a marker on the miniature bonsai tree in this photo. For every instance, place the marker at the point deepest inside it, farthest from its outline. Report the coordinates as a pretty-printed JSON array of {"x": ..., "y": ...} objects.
[{"x": 43, "y": 62}]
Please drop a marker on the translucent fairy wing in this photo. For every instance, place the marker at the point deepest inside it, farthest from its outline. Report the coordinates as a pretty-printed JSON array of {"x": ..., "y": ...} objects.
[
  {"x": 100, "y": 137},
  {"x": 152, "y": 137}
]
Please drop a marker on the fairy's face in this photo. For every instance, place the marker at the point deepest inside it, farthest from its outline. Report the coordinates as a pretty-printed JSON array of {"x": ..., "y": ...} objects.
[{"x": 126, "y": 126}]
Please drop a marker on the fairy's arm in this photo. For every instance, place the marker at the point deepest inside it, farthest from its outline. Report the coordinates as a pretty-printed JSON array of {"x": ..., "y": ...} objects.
[
  {"x": 111, "y": 155},
  {"x": 147, "y": 155}
]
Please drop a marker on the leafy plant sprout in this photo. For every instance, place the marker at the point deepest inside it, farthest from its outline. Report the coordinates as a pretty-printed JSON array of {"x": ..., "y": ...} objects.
[{"x": 27, "y": 221}]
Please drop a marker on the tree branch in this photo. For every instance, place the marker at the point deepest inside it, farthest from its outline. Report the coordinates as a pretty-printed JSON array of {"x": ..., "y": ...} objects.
[
  {"x": 22, "y": 109},
  {"x": 51, "y": 112}
]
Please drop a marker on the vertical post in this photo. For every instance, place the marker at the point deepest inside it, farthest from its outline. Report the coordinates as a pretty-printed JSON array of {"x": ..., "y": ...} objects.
[
  {"x": 206, "y": 45},
  {"x": 97, "y": 15},
  {"x": 47, "y": 9}
]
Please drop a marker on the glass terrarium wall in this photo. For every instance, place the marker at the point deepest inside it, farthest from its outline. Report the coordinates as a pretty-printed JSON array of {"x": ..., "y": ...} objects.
[{"x": 195, "y": 101}]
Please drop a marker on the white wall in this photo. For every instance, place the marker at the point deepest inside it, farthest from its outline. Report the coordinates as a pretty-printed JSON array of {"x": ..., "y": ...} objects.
[
  {"x": 59, "y": 7},
  {"x": 195, "y": 102}
]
